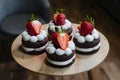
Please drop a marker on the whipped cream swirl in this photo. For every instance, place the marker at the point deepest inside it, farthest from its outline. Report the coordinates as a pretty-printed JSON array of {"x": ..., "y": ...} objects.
[
  {"x": 88, "y": 38},
  {"x": 33, "y": 39},
  {"x": 66, "y": 26},
  {"x": 52, "y": 50}
]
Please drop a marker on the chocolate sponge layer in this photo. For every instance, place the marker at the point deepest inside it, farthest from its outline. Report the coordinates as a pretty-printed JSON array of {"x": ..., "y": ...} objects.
[
  {"x": 58, "y": 66},
  {"x": 37, "y": 44},
  {"x": 86, "y": 44},
  {"x": 87, "y": 53},
  {"x": 59, "y": 58}
]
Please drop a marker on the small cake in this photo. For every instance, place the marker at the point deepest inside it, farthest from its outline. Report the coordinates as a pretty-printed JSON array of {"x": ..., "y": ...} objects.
[
  {"x": 60, "y": 51},
  {"x": 87, "y": 39},
  {"x": 34, "y": 40},
  {"x": 60, "y": 23}
]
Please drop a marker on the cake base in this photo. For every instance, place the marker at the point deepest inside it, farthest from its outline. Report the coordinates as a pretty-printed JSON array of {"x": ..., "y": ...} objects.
[
  {"x": 35, "y": 52},
  {"x": 58, "y": 66},
  {"x": 31, "y": 52},
  {"x": 80, "y": 65},
  {"x": 87, "y": 53}
]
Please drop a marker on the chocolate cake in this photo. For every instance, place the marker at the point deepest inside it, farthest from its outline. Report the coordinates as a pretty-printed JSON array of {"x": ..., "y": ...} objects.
[
  {"x": 34, "y": 44},
  {"x": 34, "y": 40},
  {"x": 60, "y": 23},
  {"x": 60, "y": 56},
  {"x": 87, "y": 39}
]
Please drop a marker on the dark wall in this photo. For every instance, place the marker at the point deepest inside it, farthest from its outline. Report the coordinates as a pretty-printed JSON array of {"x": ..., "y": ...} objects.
[{"x": 112, "y": 7}]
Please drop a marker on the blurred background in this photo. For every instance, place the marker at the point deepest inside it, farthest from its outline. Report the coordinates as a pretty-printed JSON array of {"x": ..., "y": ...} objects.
[{"x": 107, "y": 20}]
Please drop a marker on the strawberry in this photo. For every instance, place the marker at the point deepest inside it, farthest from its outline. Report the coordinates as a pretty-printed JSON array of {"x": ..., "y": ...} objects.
[
  {"x": 54, "y": 39},
  {"x": 78, "y": 27},
  {"x": 60, "y": 40},
  {"x": 59, "y": 18},
  {"x": 87, "y": 26},
  {"x": 63, "y": 39},
  {"x": 33, "y": 26}
]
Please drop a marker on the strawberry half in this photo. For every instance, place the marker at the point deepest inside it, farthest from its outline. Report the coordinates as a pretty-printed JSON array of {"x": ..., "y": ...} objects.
[
  {"x": 63, "y": 39},
  {"x": 33, "y": 27}
]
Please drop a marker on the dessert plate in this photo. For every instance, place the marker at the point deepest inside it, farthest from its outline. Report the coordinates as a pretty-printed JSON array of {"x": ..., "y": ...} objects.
[{"x": 36, "y": 63}]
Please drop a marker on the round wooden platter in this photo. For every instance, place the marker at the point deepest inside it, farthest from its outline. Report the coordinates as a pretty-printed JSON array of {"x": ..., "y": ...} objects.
[{"x": 36, "y": 63}]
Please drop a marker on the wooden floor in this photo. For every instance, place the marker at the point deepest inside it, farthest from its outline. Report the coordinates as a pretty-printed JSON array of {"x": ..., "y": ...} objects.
[{"x": 76, "y": 10}]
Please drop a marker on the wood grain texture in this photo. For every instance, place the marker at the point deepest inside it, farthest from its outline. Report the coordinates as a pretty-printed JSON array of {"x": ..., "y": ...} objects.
[
  {"x": 106, "y": 71},
  {"x": 82, "y": 62},
  {"x": 111, "y": 70}
]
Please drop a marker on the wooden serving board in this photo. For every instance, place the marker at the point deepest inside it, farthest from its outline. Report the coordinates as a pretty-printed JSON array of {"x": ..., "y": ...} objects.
[{"x": 36, "y": 63}]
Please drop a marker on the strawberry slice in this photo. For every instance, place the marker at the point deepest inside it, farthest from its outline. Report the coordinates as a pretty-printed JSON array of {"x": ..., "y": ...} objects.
[
  {"x": 63, "y": 39},
  {"x": 33, "y": 26}
]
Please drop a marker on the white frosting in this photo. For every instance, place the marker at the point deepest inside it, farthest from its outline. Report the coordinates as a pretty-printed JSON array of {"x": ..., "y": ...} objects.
[
  {"x": 66, "y": 26},
  {"x": 24, "y": 33},
  {"x": 51, "y": 50},
  {"x": 81, "y": 39},
  {"x": 95, "y": 34},
  {"x": 34, "y": 49},
  {"x": 26, "y": 38},
  {"x": 77, "y": 35},
  {"x": 88, "y": 49},
  {"x": 50, "y": 44},
  {"x": 40, "y": 37},
  {"x": 63, "y": 62},
  {"x": 88, "y": 38},
  {"x": 59, "y": 52},
  {"x": 43, "y": 32},
  {"x": 33, "y": 39},
  {"x": 68, "y": 51},
  {"x": 71, "y": 45}
]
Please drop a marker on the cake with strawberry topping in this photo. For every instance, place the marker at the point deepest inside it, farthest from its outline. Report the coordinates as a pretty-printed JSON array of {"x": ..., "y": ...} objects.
[
  {"x": 60, "y": 51},
  {"x": 60, "y": 23},
  {"x": 87, "y": 39},
  {"x": 34, "y": 39}
]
